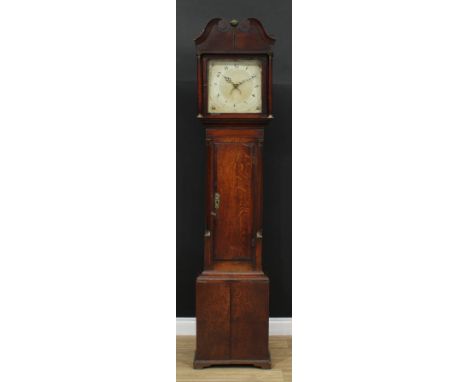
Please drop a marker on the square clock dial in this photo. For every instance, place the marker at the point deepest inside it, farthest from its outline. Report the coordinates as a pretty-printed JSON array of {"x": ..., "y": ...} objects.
[{"x": 234, "y": 86}]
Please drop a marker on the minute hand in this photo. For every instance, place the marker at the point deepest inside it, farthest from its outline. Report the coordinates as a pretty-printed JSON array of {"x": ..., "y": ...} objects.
[{"x": 248, "y": 79}]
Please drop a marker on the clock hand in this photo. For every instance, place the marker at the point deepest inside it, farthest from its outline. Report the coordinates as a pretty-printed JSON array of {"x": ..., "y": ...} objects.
[
  {"x": 228, "y": 80},
  {"x": 248, "y": 79},
  {"x": 235, "y": 87}
]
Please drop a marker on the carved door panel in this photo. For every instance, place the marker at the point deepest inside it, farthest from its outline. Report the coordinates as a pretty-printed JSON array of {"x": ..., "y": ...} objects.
[{"x": 234, "y": 200}]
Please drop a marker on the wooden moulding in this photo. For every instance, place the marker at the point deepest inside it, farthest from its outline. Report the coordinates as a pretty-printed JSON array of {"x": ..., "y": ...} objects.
[{"x": 261, "y": 363}]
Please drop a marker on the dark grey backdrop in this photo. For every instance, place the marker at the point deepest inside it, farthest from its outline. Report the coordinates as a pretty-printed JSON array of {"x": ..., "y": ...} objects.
[{"x": 192, "y": 16}]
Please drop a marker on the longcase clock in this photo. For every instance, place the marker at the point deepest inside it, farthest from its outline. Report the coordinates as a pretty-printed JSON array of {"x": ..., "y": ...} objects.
[{"x": 234, "y": 61}]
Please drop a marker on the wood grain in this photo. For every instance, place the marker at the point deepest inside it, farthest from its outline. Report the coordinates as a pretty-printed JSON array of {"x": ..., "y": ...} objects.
[
  {"x": 213, "y": 322},
  {"x": 232, "y": 322},
  {"x": 234, "y": 218},
  {"x": 280, "y": 348},
  {"x": 234, "y": 171}
]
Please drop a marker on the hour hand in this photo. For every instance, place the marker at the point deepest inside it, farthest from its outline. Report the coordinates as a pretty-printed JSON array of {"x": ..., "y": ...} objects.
[{"x": 228, "y": 79}]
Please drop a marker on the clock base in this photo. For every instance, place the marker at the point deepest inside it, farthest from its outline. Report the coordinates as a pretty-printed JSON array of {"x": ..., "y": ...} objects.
[
  {"x": 260, "y": 363},
  {"x": 232, "y": 320}
]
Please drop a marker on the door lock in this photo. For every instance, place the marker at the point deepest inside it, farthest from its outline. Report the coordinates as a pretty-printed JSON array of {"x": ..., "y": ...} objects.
[{"x": 217, "y": 200}]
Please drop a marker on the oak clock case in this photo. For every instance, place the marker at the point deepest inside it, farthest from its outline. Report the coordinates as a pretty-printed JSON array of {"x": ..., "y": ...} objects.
[{"x": 234, "y": 76}]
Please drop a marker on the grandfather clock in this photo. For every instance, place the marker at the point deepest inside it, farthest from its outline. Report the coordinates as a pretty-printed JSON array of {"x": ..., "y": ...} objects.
[{"x": 234, "y": 104}]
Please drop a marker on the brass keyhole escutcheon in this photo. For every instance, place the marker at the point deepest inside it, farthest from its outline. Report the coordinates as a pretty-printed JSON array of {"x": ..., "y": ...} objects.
[{"x": 217, "y": 200}]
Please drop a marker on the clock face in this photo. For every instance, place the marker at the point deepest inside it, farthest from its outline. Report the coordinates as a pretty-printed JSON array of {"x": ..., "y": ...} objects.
[{"x": 234, "y": 86}]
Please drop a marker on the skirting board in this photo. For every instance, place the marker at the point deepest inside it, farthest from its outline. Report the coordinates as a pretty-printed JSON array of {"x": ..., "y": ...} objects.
[{"x": 185, "y": 326}]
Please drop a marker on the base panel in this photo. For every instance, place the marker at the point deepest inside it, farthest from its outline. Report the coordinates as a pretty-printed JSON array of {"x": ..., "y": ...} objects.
[
  {"x": 232, "y": 322},
  {"x": 260, "y": 363}
]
